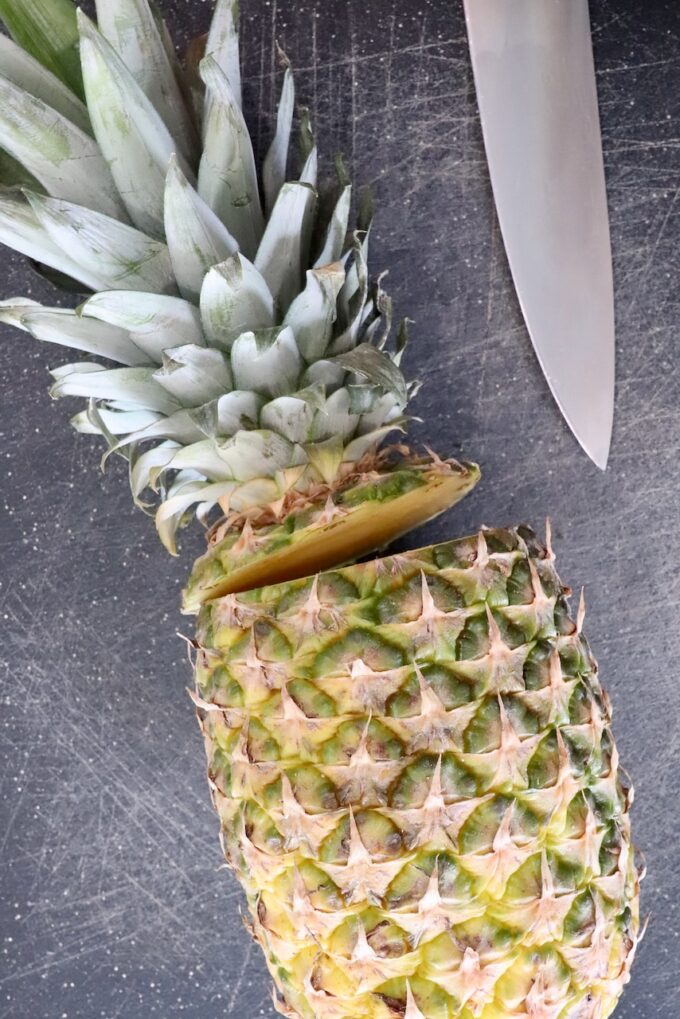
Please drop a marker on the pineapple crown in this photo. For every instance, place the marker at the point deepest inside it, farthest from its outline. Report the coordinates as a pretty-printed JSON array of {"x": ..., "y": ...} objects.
[{"x": 252, "y": 353}]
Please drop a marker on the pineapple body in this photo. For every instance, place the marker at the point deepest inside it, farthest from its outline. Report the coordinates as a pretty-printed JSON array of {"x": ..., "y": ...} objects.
[{"x": 417, "y": 786}]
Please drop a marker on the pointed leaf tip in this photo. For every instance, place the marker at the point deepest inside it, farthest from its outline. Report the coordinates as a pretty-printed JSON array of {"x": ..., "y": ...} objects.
[
  {"x": 133, "y": 137},
  {"x": 235, "y": 298},
  {"x": 196, "y": 237},
  {"x": 136, "y": 34},
  {"x": 227, "y": 178},
  {"x": 223, "y": 43}
]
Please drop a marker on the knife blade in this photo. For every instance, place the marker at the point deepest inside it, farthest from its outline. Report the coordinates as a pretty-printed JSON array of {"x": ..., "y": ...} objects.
[{"x": 535, "y": 79}]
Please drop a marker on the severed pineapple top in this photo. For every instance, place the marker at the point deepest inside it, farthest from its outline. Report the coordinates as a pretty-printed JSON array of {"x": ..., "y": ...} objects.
[{"x": 235, "y": 348}]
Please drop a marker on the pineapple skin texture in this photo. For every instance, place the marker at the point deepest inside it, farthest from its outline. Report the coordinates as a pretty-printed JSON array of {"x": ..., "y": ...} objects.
[{"x": 418, "y": 788}]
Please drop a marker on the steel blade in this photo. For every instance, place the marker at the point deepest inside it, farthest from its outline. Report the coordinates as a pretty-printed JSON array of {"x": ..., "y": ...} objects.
[{"x": 535, "y": 78}]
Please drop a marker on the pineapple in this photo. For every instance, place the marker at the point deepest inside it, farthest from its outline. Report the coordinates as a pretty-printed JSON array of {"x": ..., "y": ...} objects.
[
  {"x": 416, "y": 781},
  {"x": 411, "y": 758}
]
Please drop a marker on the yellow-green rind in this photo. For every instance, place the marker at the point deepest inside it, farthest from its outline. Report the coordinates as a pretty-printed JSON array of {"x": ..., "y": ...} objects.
[
  {"x": 362, "y": 516},
  {"x": 418, "y": 788}
]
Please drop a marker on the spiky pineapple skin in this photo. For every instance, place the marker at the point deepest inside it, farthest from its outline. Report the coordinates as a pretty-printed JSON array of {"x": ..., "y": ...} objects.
[{"x": 418, "y": 788}]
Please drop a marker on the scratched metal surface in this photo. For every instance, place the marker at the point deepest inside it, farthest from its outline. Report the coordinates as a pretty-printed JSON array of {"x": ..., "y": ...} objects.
[{"x": 111, "y": 896}]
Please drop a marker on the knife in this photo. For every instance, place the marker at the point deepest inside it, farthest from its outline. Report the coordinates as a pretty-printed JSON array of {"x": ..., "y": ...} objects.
[{"x": 535, "y": 79}]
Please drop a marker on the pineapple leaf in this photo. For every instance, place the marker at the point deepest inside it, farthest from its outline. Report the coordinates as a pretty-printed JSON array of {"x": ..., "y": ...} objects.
[
  {"x": 70, "y": 330},
  {"x": 134, "y": 387},
  {"x": 14, "y": 309},
  {"x": 179, "y": 427},
  {"x": 227, "y": 179},
  {"x": 48, "y": 30},
  {"x": 310, "y": 170},
  {"x": 352, "y": 298},
  {"x": 122, "y": 257},
  {"x": 65, "y": 160},
  {"x": 326, "y": 457},
  {"x": 336, "y": 418},
  {"x": 156, "y": 321},
  {"x": 146, "y": 468},
  {"x": 131, "y": 134},
  {"x": 334, "y": 245},
  {"x": 308, "y": 149},
  {"x": 290, "y": 416},
  {"x": 179, "y": 499},
  {"x": 235, "y": 298},
  {"x": 375, "y": 366},
  {"x": 274, "y": 168},
  {"x": 196, "y": 237},
  {"x": 194, "y": 375},
  {"x": 203, "y": 456},
  {"x": 134, "y": 32},
  {"x": 284, "y": 250},
  {"x": 323, "y": 373},
  {"x": 116, "y": 422},
  {"x": 313, "y": 312},
  {"x": 21, "y": 229},
  {"x": 29, "y": 74},
  {"x": 228, "y": 414},
  {"x": 223, "y": 46},
  {"x": 306, "y": 138},
  {"x": 362, "y": 444},
  {"x": 267, "y": 362},
  {"x": 256, "y": 454}
]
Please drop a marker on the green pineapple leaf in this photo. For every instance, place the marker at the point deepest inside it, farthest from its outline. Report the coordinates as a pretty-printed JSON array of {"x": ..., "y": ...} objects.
[
  {"x": 227, "y": 176},
  {"x": 336, "y": 235},
  {"x": 65, "y": 159},
  {"x": 132, "y": 135},
  {"x": 27, "y": 73},
  {"x": 276, "y": 160},
  {"x": 377, "y": 367},
  {"x": 289, "y": 230},
  {"x": 197, "y": 238},
  {"x": 21, "y": 229},
  {"x": 70, "y": 330},
  {"x": 234, "y": 299},
  {"x": 313, "y": 312},
  {"x": 48, "y": 30},
  {"x": 116, "y": 255},
  {"x": 194, "y": 375},
  {"x": 155, "y": 321},
  {"x": 223, "y": 46},
  {"x": 266, "y": 361},
  {"x": 136, "y": 35},
  {"x": 136, "y": 387}
]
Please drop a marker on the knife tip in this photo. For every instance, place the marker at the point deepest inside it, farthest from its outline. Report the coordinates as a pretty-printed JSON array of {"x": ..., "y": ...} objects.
[{"x": 599, "y": 454}]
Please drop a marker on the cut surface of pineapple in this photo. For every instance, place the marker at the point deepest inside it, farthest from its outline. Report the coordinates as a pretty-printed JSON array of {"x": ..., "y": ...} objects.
[
  {"x": 329, "y": 530},
  {"x": 418, "y": 787}
]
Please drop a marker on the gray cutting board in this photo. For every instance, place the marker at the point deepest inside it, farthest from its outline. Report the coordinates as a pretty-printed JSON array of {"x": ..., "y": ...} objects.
[{"x": 111, "y": 899}]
